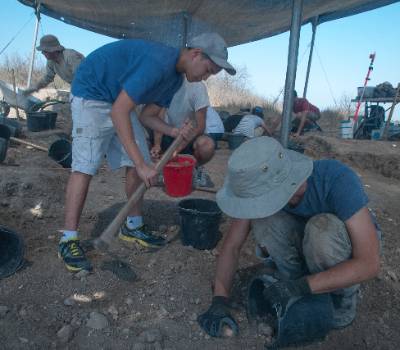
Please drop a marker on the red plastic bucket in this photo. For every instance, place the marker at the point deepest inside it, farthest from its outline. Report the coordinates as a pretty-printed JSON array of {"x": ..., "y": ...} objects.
[{"x": 178, "y": 175}]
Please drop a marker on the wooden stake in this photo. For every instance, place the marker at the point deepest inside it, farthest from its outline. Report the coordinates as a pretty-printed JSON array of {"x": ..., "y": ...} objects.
[
  {"x": 15, "y": 94},
  {"x": 40, "y": 148}
]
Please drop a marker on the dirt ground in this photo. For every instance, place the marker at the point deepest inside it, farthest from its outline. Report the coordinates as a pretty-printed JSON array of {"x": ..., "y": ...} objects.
[{"x": 43, "y": 306}]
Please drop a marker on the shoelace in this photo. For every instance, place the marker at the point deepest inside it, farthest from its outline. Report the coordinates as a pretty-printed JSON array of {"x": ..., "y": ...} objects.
[{"x": 75, "y": 249}]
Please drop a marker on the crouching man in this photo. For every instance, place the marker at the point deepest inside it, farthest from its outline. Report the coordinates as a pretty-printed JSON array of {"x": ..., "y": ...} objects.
[{"x": 309, "y": 218}]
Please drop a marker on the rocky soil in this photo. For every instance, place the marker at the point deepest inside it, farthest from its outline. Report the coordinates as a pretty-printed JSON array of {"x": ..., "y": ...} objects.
[{"x": 43, "y": 306}]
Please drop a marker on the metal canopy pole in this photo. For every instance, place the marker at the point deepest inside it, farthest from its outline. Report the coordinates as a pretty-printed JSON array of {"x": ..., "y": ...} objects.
[
  {"x": 314, "y": 24},
  {"x": 185, "y": 29},
  {"x": 37, "y": 11},
  {"x": 297, "y": 7}
]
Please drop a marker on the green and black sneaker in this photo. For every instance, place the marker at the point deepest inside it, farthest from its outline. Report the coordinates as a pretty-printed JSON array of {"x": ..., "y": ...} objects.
[
  {"x": 140, "y": 236},
  {"x": 73, "y": 255}
]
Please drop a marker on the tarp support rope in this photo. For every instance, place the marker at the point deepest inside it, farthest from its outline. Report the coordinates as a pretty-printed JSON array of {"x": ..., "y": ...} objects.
[
  {"x": 37, "y": 13},
  {"x": 14, "y": 37},
  {"x": 297, "y": 8}
]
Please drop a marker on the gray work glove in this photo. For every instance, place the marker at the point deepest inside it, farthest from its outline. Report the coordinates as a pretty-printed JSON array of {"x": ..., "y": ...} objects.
[
  {"x": 279, "y": 293},
  {"x": 216, "y": 317}
]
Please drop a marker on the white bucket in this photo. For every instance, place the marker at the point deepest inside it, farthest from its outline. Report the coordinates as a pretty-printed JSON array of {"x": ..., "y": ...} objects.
[{"x": 346, "y": 129}]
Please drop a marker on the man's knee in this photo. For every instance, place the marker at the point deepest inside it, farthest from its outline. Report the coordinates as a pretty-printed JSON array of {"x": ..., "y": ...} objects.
[
  {"x": 326, "y": 242},
  {"x": 204, "y": 148},
  {"x": 281, "y": 229}
]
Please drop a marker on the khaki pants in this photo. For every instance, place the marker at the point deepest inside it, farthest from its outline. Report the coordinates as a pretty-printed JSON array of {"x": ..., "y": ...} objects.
[{"x": 300, "y": 247}]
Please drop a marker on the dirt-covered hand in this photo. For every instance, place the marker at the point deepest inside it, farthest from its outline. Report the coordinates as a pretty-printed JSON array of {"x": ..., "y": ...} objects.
[
  {"x": 187, "y": 131},
  {"x": 279, "y": 293},
  {"x": 217, "y": 317},
  {"x": 147, "y": 174}
]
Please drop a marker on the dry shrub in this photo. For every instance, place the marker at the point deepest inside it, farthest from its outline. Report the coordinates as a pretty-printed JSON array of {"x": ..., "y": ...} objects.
[
  {"x": 20, "y": 64},
  {"x": 232, "y": 93}
]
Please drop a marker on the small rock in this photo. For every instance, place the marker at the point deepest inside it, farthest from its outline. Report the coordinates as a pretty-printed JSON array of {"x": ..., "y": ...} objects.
[
  {"x": 150, "y": 336},
  {"x": 268, "y": 341},
  {"x": 265, "y": 330},
  {"x": 3, "y": 310},
  {"x": 22, "y": 312},
  {"x": 193, "y": 317},
  {"x": 5, "y": 204},
  {"x": 27, "y": 186},
  {"x": 113, "y": 311},
  {"x": 82, "y": 274},
  {"x": 163, "y": 228},
  {"x": 215, "y": 252},
  {"x": 23, "y": 340},
  {"x": 197, "y": 301},
  {"x": 129, "y": 301},
  {"x": 393, "y": 276},
  {"x": 69, "y": 302},
  {"x": 76, "y": 321},
  {"x": 97, "y": 320},
  {"x": 157, "y": 346},
  {"x": 125, "y": 331},
  {"x": 173, "y": 229},
  {"x": 138, "y": 346},
  {"x": 227, "y": 332},
  {"x": 65, "y": 333}
]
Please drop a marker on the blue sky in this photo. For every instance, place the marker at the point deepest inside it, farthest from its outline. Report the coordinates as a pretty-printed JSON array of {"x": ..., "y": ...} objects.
[{"x": 340, "y": 59}]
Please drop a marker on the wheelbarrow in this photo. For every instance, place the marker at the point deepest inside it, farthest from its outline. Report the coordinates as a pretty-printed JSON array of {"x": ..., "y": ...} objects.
[{"x": 37, "y": 118}]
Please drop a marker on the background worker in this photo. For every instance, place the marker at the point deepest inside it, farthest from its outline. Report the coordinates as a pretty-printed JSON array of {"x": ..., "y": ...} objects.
[
  {"x": 107, "y": 87},
  {"x": 252, "y": 125},
  {"x": 310, "y": 218},
  {"x": 214, "y": 125},
  {"x": 189, "y": 103},
  {"x": 303, "y": 113},
  {"x": 60, "y": 61}
]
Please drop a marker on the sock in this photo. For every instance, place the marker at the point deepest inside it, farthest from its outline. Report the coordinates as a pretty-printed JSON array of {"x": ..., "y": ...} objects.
[
  {"x": 134, "y": 221},
  {"x": 67, "y": 235}
]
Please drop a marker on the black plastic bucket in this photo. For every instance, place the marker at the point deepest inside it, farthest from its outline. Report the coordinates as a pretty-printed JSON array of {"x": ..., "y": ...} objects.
[
  {"x": 305, "y": 320},
  {"x": 200, "y": 223},
  {"x": 235, "y": 140},
  {"x": 11, "y": 252},
  {"x": 43, "y": 120},
  {"x": 61, "y": 152},
  {"x": 14, "y": 126},
  {"x": 5, "y": 134}
]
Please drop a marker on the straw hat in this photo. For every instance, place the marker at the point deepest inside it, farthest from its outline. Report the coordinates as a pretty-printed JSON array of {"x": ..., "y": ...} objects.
[
  {"x": 262, "y": 177},
  {"x": 49, "y": 43}
]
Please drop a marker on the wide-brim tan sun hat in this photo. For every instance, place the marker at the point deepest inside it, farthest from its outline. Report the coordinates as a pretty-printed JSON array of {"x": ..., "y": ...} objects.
[
  {"x": 49, "y": 43},
  {"x": 262, "y": 177}
]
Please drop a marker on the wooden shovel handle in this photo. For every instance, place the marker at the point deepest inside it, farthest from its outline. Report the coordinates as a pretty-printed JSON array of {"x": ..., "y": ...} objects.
[
  {"x": 33, "y": 145},
  {"x": 107, "y": 236}
]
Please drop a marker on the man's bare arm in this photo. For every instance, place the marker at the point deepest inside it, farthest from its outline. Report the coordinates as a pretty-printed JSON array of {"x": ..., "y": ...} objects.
[
  {"x": 150, "y": 118},
  {"x": 229, "y": 256},
  {"x": 364, "y": 263},
  {"x": 120, "y": 115}
]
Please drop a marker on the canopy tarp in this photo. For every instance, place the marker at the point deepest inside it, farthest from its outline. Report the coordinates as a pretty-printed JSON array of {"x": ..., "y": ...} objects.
[{"x": 170, "y": 21}]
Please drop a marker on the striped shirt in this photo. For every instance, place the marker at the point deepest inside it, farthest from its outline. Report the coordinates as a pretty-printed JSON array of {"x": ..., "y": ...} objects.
[{"x": 247, "y": 125}]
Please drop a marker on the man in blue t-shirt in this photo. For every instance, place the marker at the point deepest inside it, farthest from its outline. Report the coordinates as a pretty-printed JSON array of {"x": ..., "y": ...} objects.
[
  {"x": 107, "y": 87},
  {"x": 309, "y": 219}
]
